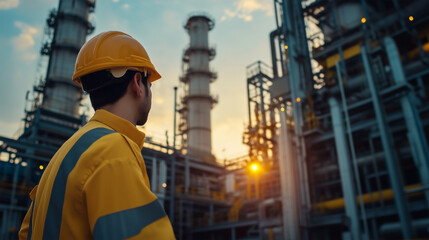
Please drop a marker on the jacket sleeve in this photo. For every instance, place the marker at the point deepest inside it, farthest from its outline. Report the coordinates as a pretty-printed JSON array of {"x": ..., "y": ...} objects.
[
  {"x": 119, "y": 202},
  {"x": 23, "y": 232}
]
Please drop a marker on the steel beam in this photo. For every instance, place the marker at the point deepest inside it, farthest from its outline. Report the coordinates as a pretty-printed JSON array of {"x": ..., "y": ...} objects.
[
  {"x": 416, "y": 134},
  {"x": 391, "y": 160},
  {"x": 346, "y": 172}
]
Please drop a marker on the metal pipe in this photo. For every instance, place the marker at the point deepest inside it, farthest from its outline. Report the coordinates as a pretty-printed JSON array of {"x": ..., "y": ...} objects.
[
  {"x": 294, "y": 78},
  {"x": 261, "y": 93},
  {"x": 416, "y": 136},
  {"x": 373, "y": 197},
  {"x": 233, "y": 233},
  {"x": 273, "y": 34},
  {"x": 173, "y": 187},
  {"x": 392, "y": 230},
  {"x": 174, "y": 119},
  {"x": 187, "y": 172},
  {"x": 154, "y": 177},
  {"x": 180, "y": 219},
  {"x": 350, "y": 138},
  {"x": 211, "y": 215},
  {"x": 346, "y": 172},
  {"x": 375, "y": 167},
  {"x": 288, "y": 183},
  {"x": 391, "y": 160},
  {"x": 306, "y": 71},
  {"x": 278, "y": 27},
  {"x": 248, "y": 104},
  {"x": 353, "y": 84}
]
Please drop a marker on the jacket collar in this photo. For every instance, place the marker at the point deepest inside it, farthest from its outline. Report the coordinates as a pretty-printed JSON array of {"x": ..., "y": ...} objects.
[{"x": 120, "y": 125}]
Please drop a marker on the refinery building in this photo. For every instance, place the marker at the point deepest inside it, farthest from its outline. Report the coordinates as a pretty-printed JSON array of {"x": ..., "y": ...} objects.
[{"x": 338, "y": 127}]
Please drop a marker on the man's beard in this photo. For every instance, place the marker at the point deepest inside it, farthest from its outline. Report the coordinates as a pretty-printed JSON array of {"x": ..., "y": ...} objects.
[{"x": 143, "y": 118}]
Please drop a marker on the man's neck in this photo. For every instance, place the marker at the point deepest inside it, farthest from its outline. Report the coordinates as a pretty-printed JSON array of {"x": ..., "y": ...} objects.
[{"x": 121, "y": 110}]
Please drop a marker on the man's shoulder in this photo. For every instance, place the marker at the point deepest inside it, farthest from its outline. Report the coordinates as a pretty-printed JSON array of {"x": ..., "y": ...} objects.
[
  {"x": 94, "y": 133},
  {"x": 107, "y": 138},
  {"x": 90, "y": 137},
  {"x": 100, "y": 142}
]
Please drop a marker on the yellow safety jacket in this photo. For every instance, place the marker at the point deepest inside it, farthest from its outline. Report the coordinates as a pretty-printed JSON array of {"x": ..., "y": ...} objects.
[{"x": 96, "y": 187}]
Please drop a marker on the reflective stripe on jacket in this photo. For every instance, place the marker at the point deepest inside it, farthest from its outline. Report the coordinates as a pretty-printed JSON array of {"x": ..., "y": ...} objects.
[{"x": 96, "y": 187}]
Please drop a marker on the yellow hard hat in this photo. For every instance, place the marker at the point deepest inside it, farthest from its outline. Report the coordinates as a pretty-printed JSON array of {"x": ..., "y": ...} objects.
[{"x": 113, "y": 51}]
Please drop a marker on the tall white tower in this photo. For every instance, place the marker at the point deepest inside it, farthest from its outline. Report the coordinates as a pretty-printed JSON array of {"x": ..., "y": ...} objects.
[
  {"x": 71, "y": 26},
  {"x": 197, "y": 76}
]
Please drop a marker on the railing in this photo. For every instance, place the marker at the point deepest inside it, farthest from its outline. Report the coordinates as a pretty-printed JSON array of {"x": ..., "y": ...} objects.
[
  {"x": 257, "y": 68},
  {"x": 211, "y": 21}
]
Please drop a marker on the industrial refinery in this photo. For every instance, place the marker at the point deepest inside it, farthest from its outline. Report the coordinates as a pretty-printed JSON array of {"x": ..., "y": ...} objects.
[{"x": 337, "y": 126}]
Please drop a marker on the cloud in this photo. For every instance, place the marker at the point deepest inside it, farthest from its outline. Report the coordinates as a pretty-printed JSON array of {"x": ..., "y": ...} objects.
[
  {"x": 245, "y": 8},
  {"x": 126, "y": 6},
  {"x": 229, "y": 13},
  {"x": 8, "y": 4},
  {"x": 25, "y": 40}
]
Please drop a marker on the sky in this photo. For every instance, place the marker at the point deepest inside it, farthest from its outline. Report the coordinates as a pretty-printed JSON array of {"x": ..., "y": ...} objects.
[{"x": 240, "y": 35}]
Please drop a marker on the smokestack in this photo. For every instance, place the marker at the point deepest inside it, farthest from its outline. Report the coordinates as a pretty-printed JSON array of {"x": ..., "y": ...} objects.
[
  {"x": 71, "y": 26},
  {"x": 197, "y": 78}
]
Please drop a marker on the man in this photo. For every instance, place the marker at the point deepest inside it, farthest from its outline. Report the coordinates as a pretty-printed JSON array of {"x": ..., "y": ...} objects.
[{"x": 96, "y": 186}]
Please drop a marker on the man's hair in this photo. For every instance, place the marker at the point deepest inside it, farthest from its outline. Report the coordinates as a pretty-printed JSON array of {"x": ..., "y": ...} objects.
[{"x": 104, "y": 88}]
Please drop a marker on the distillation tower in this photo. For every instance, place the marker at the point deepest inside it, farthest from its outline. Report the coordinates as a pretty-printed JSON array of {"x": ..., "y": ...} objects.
[
  {"x": 53, "y": 115},
  {"x": 71, "y": 28},
  {"x": 57, "y": 99},
  {"x": 196, "y": 123}
]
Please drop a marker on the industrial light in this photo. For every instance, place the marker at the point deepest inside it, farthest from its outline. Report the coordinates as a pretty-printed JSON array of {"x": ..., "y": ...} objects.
[
  {"x": 286, "y": 47},
  {"x": 254, "y": 167},
  {"x": 363, "y": 20},
  {"x": 411, "y": 18},
  {"x": 41, "y": 167},
  {"x": 282, "y": 109},
  {"x": 298, "y": 99}
]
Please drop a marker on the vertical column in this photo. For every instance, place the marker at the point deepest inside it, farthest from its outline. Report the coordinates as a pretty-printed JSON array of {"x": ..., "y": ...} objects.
[
  {"x": 198, "y": 78},
  {"x": 71, "y": 27},
  {"x": 346, "y": 173},
  {"x": 154, "y": 179},
  {"x": 162, "y": 175},
  {"x": 162, "y": 180},
  {"x": 288, "y": 183},
  {"x": 416, "y": 136},
  {"x": 296, "y": 69},
  {"x": 391, "y": 160}
]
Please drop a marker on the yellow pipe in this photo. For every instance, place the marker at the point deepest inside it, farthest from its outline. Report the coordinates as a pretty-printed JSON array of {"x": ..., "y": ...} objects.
[
  {"x": 386, "y": 194},
  {"x": 426, "y": 47},
  {"x": 347, "y": 53},
  {"x": 270, "y": 234},
  {"x": 415, "y": 52}
]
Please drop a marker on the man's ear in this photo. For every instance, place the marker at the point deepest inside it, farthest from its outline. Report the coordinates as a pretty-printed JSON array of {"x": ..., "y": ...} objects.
[{"x": 135, "y": 85}]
